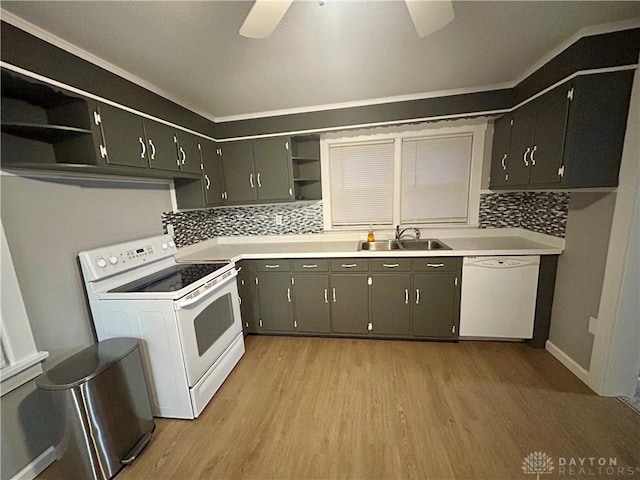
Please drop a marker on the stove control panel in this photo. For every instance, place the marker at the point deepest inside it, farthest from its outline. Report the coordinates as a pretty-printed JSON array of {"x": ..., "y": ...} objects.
[{"x": 107, "y": 261}]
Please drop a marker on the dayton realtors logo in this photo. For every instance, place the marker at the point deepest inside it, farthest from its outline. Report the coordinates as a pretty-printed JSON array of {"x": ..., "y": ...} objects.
[{"x": 539, "y": 463}]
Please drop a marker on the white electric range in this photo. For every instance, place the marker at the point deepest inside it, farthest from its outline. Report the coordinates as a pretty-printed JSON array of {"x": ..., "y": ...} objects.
[{"x": 188, "y": 316}]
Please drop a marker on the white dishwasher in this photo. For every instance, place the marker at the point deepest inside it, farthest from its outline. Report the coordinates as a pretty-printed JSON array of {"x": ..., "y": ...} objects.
[{"x": 499, "y": 297}]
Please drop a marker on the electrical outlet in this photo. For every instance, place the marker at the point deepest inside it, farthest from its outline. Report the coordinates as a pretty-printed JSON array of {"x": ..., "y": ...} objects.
[{"x": 278, "y": 219}]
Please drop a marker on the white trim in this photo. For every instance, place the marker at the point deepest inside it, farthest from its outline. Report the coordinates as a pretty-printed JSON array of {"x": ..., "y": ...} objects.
[
  {"x": 568, "y": 362},
  {"x": 17, "y": 374},
  {"x": 49, "y": 37},
  {"x": 37, "y": 466},
  {"x": 79, "y": 91}
]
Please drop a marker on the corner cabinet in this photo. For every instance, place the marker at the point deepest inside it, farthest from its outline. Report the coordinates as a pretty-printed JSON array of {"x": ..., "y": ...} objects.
[
  {"x": 380, "y": 297},
  {"x": 570, "y": 137}
]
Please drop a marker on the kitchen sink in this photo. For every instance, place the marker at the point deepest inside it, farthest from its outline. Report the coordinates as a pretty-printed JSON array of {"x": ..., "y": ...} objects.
[
  {"x": 379, "y": 245},
  {"x": 426, "y": 244},
  {"x": 409, "y": 244}
]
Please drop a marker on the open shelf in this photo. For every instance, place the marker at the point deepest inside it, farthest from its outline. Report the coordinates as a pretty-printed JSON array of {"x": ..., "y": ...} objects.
[
  {"x": 305, "y": 159},
  {"x": 44, "y": 133}
]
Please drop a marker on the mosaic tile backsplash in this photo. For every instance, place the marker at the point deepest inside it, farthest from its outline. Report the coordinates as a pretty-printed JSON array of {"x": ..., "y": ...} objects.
[
  {"x": 194, "y": 226},
  {"x": 543, "y": 212}
]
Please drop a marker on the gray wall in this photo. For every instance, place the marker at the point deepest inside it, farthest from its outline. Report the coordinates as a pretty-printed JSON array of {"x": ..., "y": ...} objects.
[
  {"x": 47, "y": 222},
  {"x": 26, "y": 432},
  {"x": 581, "y": 273}
]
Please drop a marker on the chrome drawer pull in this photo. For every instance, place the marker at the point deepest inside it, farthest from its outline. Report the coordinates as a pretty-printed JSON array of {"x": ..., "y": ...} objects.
[
  {"x": 435, "y": 265},
  {"x": 349, "y": 265},
  {"x": 309, "y": 266},
  {"x": 272, "y": 266},
  {"x": 390, "y": 265}
]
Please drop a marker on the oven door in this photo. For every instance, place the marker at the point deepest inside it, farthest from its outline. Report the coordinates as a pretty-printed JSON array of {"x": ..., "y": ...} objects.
[{"x": 208, "y": 324}]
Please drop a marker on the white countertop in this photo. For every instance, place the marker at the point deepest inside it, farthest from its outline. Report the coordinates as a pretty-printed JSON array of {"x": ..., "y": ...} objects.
[{"x": 463, "y": 242}]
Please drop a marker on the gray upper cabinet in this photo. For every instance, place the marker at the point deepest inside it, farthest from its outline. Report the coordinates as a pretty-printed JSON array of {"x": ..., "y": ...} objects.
[
  {"x": 188, "y": 152},
  {"x": 123, "y": 137},
  {"x": 257, "y": 171},
  {"x": 212, "y": 173},
  {"x": 569, "y": 137},
  {"x": 161, "y": 146}
]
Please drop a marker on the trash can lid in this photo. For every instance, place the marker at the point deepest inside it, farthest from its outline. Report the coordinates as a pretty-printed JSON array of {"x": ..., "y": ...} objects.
[{"x": 86, "y": 364}]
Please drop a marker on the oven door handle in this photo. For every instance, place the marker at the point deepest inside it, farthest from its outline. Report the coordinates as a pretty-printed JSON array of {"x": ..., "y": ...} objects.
[{"x": 205, "y": 291}]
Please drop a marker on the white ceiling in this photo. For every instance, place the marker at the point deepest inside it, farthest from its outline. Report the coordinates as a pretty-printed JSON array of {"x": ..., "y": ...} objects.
[{"x": 344, "y": 51}]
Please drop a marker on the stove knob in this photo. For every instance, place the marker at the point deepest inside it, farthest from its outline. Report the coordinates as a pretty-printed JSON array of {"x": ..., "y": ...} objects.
[
  {"x": 101, "y": 262},
  {"x": 113, "y": 259},
  {"x": 171, "y": 244},
  {"x": 164, "y": 246}
]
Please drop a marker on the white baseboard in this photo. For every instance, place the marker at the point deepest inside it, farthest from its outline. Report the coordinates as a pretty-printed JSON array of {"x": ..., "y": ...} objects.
[
  {"x": 568, "y": 362},
  {"x": 37, "y": 466}
]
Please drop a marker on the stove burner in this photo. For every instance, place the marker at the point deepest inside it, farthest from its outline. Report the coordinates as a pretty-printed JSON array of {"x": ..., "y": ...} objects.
[{"x": 171, "y": 279}]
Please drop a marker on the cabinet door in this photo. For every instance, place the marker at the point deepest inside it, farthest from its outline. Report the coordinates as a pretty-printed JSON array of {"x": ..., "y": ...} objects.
[
  {"x": 161, "y": 146},
  {"x": 312, "y": 303},
  {"x": 273, "y": 169},
  {"x": 500, "y": 159},
  {"x": 249, "y": 301},
  {"x": 524, "y": 122},
  {"x": 435, "y": 305},
  {"x": 349, "y": 303},
  {"x": 212, "y": 172},
  {"x": 239, "y": 177},
  {"x": 548, "y": 144},
  {"x": 189, "y": 153},
  {"x": 123, "y": 136},
  {"x": 276, "y": 297},
  {"x": 390, "y": 304}
]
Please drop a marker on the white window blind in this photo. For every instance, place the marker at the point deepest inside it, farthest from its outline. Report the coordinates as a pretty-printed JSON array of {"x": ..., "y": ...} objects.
[
  {"x": 362, "y": 183},
  {"x": 435, "y": 179}
]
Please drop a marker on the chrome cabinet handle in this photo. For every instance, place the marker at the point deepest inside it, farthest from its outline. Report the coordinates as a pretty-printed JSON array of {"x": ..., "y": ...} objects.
[
  {"x": 533, "y": 162},
  {"x": 153, "y": 149},
  {"x": 435, "y": 265},
  {"x": 144, "y": 147},
  {"x": 526, "y": 163},
  {"x": 251, "y": 180},
  {"x": 310, "y": 266},
  {"x": 326, "y": 298},
  {"x": 289, "y": 295},
  {"x": 259, "y": 182},
  {"x": 333, "y": 291},
  {"x": 349, "y": 265},
  {"x": 504, "y": 158},
  {"x": 272, "y": 266},
  {"x": 406, "y": 296},
  {"x": 390, "y": 265},
  {"x": 184, "y": 155},
  {"x": 206, "y": 177},
  {"x": 417, "y": 296}
]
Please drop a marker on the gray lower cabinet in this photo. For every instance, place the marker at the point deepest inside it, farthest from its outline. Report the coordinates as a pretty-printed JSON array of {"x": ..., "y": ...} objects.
[
  {"x": 276, "y": 302},
  {"x": 390, "y": 308},
  {"x": 249, "y": 299},
  {"x": 350, "y": 303},
  {"x": 436, "y": 305},
  {"x": 312, "y": 313}
]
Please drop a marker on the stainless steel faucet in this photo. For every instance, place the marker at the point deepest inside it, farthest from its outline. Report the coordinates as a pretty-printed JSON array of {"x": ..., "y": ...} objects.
[{"x": 400, "y": 233}]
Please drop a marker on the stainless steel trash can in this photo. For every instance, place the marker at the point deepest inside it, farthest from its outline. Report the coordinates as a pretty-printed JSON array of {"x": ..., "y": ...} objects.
[{"x": 101, "y": 405}]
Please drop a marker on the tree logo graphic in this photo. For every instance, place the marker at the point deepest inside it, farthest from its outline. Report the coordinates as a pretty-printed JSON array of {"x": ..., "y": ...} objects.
[{"x": 537, "y": 463}]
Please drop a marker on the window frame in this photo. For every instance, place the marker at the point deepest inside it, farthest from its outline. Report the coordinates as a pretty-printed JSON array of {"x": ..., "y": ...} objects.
[{"x": 477, "y": 128}]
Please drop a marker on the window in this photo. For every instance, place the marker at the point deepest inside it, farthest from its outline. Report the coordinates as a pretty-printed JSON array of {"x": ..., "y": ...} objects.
[
  {"x": 361, "y": 183},
  {"x": 401, "y": 176}
]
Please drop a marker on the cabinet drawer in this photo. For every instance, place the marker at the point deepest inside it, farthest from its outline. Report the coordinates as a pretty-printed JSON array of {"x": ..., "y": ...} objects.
[
  {"x": 276, "y": 265},
  {"x": 349, "y": 265},
  {"x": 391, "y": 265},
  {"x": 311, "y": 265},
  {"x": 436, "y": 264}
]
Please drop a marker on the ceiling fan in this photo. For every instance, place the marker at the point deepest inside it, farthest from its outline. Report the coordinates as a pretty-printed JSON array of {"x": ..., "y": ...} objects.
[{"x": 427, "y": 15}]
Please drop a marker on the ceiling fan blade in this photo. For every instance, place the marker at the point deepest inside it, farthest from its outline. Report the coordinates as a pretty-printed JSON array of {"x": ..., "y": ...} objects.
[
  {"x": 263, "y": 18},
  {"x": 429, "y": 15}
]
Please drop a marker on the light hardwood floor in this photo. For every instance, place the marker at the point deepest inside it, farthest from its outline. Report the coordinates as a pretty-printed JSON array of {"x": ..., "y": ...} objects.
[{"x": 298, "y": 408}]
